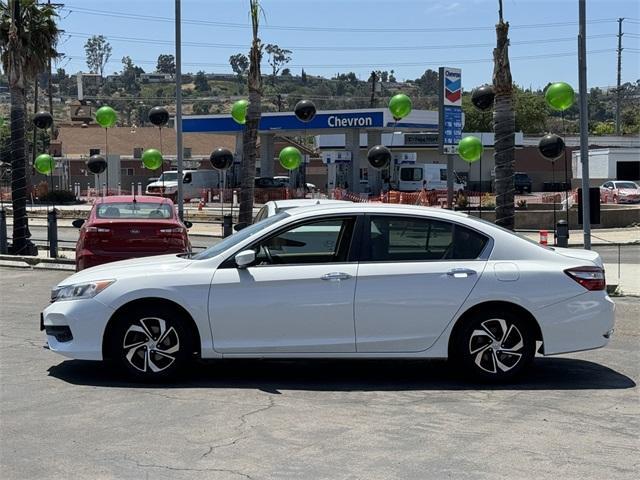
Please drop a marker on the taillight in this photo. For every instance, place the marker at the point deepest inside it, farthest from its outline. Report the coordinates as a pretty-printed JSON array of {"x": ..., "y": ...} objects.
[
  {"x": 171, "y": 230},
  {"x": 97, "y": 230},
  {"x": 591, "y": 278}
]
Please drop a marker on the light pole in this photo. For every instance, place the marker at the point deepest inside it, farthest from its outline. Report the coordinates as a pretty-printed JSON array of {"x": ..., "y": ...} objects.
[
  {"x": 179, "y": 150},
  {"x": 584, "y": 122}
]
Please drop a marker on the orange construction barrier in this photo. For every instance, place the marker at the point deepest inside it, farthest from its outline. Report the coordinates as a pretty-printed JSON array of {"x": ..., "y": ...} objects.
[{"x": 544, "y": 236}]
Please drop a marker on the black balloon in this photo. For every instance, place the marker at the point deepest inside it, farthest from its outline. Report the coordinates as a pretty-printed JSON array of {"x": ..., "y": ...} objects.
[
  {"x": 305, "y": 110},
  {"x": 551, "y": 146},
  {"x": 97, "y": 164},
  {"x": 159, "y": 116},
  {"x": 43, "y": 119},
  {"x": 221, "y": 158},
  {"x": 482, "y": 97},
  {"x": 379, "y": 156}
]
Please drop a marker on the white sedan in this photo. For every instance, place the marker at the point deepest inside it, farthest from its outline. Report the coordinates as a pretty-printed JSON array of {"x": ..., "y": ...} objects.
[{"x": 340, "y": 281}]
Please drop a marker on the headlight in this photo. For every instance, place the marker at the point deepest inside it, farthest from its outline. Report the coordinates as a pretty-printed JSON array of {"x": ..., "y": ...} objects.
[{"x": 79, "y": 290}]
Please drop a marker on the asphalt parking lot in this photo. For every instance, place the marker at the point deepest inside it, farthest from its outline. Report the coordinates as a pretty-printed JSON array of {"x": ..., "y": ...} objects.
[{"x": 575, "y": 416}]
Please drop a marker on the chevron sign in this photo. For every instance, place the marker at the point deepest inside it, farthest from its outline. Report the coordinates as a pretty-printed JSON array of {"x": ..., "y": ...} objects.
[{"x": 453, "y": 87}]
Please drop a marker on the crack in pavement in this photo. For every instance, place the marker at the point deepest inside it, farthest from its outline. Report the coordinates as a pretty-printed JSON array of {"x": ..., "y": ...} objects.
[{"x": 179, "y": 469}]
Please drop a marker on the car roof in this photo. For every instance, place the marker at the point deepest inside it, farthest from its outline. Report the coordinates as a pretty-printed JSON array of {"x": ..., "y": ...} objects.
[
  {"x": 367, "y": 207},
  {"x": 129, "y": 198},
  {"x": 306, "y": 202}
]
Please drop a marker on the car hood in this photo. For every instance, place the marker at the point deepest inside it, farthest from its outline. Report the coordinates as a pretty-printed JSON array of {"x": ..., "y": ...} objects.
[
  {"x": 580, "y": 254},
  {"x": 127, "y": 268}
]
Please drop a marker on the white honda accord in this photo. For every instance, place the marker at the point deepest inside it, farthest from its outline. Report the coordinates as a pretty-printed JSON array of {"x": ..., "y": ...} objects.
[{"x": 340, "y": 281}]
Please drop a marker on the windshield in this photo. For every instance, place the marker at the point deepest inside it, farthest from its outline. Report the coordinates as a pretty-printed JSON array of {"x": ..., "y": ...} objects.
[
  {"x": 626, "y": 185},
  {"x": 238, "y": 237},
  {"x": 168, "y": 177},
  {"x": 135, "y": 210}
]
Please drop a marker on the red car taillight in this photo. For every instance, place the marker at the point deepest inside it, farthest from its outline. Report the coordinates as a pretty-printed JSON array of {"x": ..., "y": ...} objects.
[
  {"x": 172, "y": 230},
  {"x": 591, "y": 278},
  {"x": 97, "y": 230}
]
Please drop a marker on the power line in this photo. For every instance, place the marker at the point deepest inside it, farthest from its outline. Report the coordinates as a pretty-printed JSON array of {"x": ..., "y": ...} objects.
[
  {"x": 379, "y": 65},
  {"x": 338, "y": 47},
  {"x": 152, "y": 18}
]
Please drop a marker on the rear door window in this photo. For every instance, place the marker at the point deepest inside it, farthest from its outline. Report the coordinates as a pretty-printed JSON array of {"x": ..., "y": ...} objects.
[{"x": 402, "y": 239}]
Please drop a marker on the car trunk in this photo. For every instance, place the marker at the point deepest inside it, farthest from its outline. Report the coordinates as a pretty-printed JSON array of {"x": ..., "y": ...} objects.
[
  {"x": 134, "y": 236},
  {"x": 580, "y": 254}
]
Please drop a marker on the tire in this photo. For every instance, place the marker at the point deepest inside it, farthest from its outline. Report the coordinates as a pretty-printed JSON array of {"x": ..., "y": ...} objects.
[
  {"x": 497, "y": 345},
  {"x": 150, "y": 344}
]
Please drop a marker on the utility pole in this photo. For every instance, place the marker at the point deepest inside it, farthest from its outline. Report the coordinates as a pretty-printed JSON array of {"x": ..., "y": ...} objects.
[
  {"x": 584, "y": 122},
  {"x": 374, "y": 79},
  {"x": 620, "y": 20},
  {"x": 179, "y": 152}
]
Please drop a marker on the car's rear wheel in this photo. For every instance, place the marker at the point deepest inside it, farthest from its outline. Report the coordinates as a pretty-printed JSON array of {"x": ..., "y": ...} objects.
[
  {"x": 150, "y": 344},
  {"x": 496, "y": 345}
]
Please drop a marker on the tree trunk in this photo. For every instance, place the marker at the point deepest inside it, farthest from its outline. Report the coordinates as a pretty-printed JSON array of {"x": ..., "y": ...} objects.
[
  {"x": 18, "y": 172},
  {"x": 250, "y": 135},
  {"x": 504, "y": 129}
]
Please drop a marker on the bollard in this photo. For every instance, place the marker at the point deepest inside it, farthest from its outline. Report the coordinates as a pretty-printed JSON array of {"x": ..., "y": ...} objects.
[
  {"x": 119, "y": 189},
  {"x": 562, "y": 234},
  {"x": 140, "y": 188},
  {"x": 3, "y": 232},
  {"x": 133, "y": 189},
  {"x": 227, "y": 224},
  {"x": 52, "y": 233},
  {"x": 544, "y": 235}
]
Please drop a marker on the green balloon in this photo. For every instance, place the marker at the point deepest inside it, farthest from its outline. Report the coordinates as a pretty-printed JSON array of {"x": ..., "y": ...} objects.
[
  {"x": 470, "y": 149},
  {"x": 290, "y": 158},
  {"x": 400, "y": 106},
  {"x": 152, "y": 159},
  {"x": 45, "y": 163},
  {"x": 559, "y": 96},
  {"x": 239, "y": 111},
  {"x": 106, "y": 117}
]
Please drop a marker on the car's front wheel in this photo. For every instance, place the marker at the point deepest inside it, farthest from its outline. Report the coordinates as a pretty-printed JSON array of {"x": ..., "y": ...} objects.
[
  {"x": 150, "y": 344},
  {"x": 496, "y": 345}
]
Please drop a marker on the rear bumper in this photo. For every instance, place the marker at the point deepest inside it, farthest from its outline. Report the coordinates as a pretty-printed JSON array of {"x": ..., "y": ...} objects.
[{"x": 584, "y": 322}]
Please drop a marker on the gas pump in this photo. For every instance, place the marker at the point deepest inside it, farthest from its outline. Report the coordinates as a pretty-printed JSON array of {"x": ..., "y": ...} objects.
[{"x": 337, "y": 162}]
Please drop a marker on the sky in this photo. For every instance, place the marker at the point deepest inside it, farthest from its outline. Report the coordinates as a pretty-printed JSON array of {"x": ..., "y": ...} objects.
[{"x": 337, "y": 36}]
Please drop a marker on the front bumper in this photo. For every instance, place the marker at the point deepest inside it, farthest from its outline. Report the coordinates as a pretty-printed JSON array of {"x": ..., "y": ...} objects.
[
  {"x": 584, "y": 322},
  {"x": 86, "y": 320}
]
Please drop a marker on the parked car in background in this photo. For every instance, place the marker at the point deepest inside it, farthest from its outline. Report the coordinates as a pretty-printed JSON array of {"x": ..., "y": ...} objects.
[
  {"x": 284, "y": 181},
  {"x": 620, "y": 191},
  {"x": 276, "y": 206},
  {"x": 123, "y": 227},
  {"x": 522, "y": 182},
  {"x": 193, "y": 182},
  {"x": 431, "y": 176},
  {"x": 356, "y": 280}
]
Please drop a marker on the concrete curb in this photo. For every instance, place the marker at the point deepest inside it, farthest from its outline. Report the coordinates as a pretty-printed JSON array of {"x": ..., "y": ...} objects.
[{"x": 13, "y": 261}]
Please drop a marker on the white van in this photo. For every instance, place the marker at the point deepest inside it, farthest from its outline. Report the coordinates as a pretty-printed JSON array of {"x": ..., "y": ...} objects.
[
  {"x": 433, "y": 176},
  {"x": 193, "y": 181}
]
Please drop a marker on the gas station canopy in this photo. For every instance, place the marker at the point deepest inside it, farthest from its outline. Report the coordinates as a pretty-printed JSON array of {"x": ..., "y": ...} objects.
[{"x": 324, "y": 122}]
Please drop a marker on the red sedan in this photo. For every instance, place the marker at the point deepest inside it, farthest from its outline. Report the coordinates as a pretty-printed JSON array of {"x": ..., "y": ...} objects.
[{"x": 123, "y": 227}]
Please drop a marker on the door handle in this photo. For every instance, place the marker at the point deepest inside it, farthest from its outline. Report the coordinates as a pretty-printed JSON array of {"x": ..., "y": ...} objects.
[
  {"x": 461, "y": 272},
  {"x": 335, "y": 276}
]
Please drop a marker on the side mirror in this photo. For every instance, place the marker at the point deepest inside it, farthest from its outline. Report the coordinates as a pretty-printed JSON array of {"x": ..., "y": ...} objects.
[
  {"x": 245, "y": 258},
  {"x": 188, "y": 224},
  {"x": 239, "y": 226},
  {"x": 78, "y": 222}
]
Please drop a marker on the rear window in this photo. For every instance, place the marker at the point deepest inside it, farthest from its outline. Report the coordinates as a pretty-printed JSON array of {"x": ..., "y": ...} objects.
[{"x": 135, "y": 210}]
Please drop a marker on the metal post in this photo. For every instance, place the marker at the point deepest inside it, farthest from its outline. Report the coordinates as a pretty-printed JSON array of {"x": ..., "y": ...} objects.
[
  {"x": 450, "y": 182},
  {"x": 227, "y": 225},
  {"x": 3, "y": 232},
  {"x": 179, "y": 152},
  {"x": 584, "y": 122},
  {"x": 620, "y": 20},
  {"x": 52, "y": 233}
]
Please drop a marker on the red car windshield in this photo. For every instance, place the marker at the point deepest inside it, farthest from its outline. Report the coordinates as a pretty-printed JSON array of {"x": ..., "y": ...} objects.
[{"x": 135, "y": 210}]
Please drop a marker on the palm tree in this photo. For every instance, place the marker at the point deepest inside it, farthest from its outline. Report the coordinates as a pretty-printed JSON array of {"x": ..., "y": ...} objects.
[
  {"x": 503, "y": 127},
  {"x": 28, "y": 39},
  {"x": 250, "y": 133}
]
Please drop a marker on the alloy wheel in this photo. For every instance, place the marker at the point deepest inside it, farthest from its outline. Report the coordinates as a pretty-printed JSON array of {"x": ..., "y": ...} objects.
[
  {"x": 149, "y": 346},
  {"x": 497, "y": 346}
]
